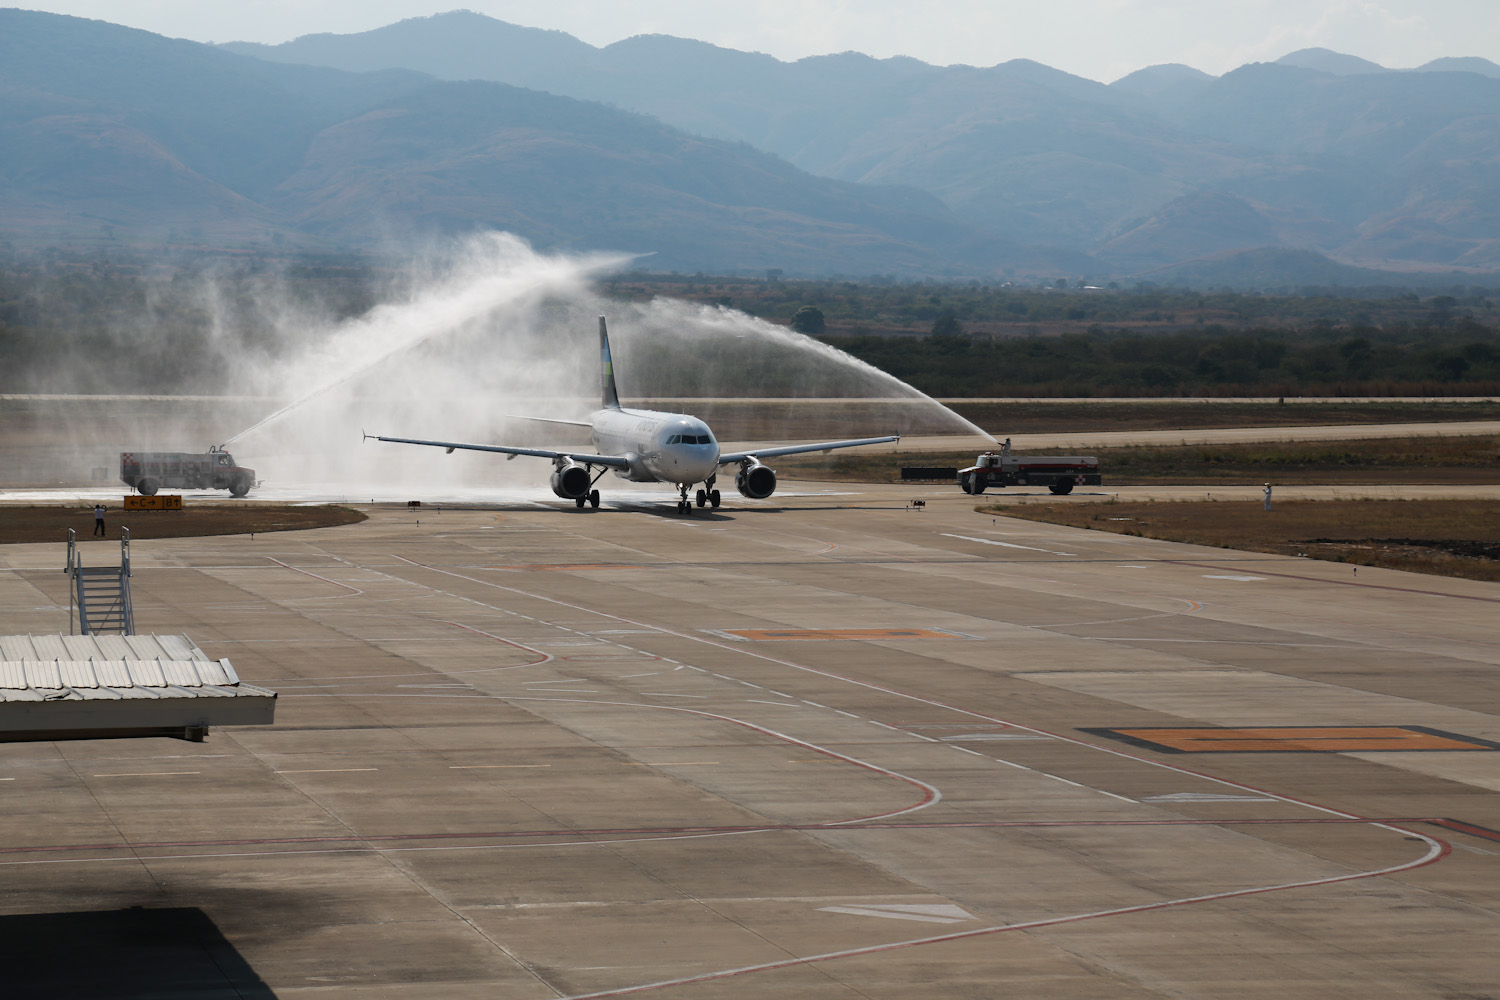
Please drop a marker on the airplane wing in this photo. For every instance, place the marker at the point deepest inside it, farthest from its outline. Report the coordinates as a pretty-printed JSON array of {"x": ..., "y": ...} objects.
[
  {"x": 731, "y": 458},
  {"x": 547, "y": 420},
  {"x": 586, "y": 458}
]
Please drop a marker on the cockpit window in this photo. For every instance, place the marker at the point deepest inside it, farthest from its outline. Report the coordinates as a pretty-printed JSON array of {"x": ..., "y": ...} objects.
[{"x": 690, "y": 439}]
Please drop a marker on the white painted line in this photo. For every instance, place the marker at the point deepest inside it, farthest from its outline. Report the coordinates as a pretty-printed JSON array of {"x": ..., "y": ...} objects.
[
  {"x": 1063, "y": 780},
  {"x": 779, "y": 694},
  {"x": 320, "y": 770},
  {"x": 1114, "y": 796},
  {"x": 990, "y": 737},
  {"x": 663, "y": 694},
  {"x": 925, "y": 914},
  {"x": 7, "y": 779},
  {"x": 1237, "y": 579},
  {"x": 143, "y": 774},
  {"x": 814, "y": 704},
  {"x": 882, "y": 725},
  {"x": 967, "y": 750},
  {"x": 668, "y": 763},
  {"x": 1008, "y": 545},
  {"x": 476, "y": 767},
  {"x": 849, "y": 714},
  {"x": 1206, "y": 797},
  {"x": 1010, "y": 763}
]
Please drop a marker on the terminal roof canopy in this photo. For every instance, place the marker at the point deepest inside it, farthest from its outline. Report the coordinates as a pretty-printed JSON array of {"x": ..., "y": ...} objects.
[{"x": 68, "y": 687}]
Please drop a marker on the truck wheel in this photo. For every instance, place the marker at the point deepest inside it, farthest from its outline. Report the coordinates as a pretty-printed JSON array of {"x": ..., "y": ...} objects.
[
  {"x": 240, "y": 486},
  {"x": 148, "y": 487},
  {"x": 1062, "y": 489},
  {"x": 977, "y": 484}
]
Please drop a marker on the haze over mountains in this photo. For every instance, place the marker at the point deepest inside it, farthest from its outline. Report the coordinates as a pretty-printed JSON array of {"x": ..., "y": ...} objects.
[{"x": 1307, "y": 170}]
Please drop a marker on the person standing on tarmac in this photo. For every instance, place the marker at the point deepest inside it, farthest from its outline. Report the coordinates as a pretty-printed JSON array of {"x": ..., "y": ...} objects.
[{"x": 99, "y": 520}]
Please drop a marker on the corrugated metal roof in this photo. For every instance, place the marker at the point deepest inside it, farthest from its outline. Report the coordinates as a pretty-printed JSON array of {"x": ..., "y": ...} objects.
[
  {"x": 43, "y": 668},
  {"x": 42, "y": 674}
]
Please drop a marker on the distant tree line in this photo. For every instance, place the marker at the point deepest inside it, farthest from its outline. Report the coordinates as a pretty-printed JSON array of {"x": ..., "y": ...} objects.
[
  {"x": 1316, "y": 361},
  {"x": 852, "y": 308},
  {"x": 116, "y": 324}
]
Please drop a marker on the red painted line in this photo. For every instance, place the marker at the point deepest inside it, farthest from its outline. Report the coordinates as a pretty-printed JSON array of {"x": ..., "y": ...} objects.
[
  {"x": 1341, "y": 583},
  {"x": 1440, "y": 850},
  {"x": 509, "y": 642},
  {"x": 1473, "y": 830}
]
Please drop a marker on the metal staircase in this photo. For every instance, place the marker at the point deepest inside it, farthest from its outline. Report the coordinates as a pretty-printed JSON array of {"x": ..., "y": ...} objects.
[{"x": 100, "y": 593}]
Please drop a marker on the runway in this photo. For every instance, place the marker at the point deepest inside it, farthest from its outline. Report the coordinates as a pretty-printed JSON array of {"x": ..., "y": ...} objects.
[{"x": 829, "y": 745}]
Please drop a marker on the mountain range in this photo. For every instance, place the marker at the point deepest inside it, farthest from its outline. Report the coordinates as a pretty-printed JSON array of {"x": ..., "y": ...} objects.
[{"x": 719, "y": 160}]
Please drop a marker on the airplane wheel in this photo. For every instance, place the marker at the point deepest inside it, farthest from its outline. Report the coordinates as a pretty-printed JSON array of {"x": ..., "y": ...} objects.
[
  {"x": 580, "y": 501},
  {"x": 713, "y": 498},
  {"x": 702, "y": 497},
  {"x": 593, "y": 499}
]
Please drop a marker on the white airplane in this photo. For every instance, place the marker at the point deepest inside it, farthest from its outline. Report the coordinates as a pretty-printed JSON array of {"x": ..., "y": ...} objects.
[{"x": 648, "y": 446}]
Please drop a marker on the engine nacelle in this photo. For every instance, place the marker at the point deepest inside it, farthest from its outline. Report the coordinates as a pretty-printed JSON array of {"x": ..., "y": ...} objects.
[
  {"x": 571, "y": 481},
  {"x": 755, "y": 481}
]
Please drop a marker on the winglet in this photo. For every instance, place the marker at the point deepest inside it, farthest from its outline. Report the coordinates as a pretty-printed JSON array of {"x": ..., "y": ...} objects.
[{"x": 611, "y": 399}]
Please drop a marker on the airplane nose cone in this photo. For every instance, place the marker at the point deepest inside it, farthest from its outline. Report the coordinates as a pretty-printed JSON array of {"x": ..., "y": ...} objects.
[{"x": 697, "y": 469}]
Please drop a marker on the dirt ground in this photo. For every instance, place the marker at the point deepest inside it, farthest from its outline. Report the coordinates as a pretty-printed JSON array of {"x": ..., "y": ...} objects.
[
  {"x": 51, "y": 524},
  {"x": 1443, "y": 537}
]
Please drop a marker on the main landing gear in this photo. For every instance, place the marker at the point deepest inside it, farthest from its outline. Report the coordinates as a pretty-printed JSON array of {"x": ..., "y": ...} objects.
[
  {"x": 592, "y": 500},
  {"x": 708, "y": 497}
]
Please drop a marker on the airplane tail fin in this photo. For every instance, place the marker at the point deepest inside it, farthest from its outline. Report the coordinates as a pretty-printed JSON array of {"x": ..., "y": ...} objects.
[{"x": 611, "y": 399}]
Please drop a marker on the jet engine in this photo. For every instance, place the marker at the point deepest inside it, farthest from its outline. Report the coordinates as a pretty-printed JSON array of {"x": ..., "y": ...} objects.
[
  {"x": 571, "y": 481},
  {"x": 755, "y": 481}
]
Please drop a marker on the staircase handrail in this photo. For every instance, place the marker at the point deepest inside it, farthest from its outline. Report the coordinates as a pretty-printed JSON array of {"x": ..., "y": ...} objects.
[{"x": 72, "y": 570}]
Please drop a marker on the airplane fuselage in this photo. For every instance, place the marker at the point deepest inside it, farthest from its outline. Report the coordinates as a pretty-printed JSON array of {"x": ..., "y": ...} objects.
[{"x": 660, "y": 447}]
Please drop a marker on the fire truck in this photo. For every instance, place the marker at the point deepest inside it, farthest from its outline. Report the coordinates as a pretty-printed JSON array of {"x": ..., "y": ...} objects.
[
  {"x": 149, "y": 471},
  {"x": 1059, "y": 473}
]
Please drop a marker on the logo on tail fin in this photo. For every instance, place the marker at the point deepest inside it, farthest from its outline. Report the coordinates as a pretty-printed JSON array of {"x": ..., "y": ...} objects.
[{"x": 611, "y": 399}]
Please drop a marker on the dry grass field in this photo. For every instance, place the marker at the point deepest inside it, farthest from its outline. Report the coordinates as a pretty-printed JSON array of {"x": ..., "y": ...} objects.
[
  {"x": 51, "y": 524},
  {"x": 1444, "y": 537}
]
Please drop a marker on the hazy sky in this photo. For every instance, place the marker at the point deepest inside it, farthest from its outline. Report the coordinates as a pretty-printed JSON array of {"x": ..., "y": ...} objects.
[{"x": 1099, "y": 39}]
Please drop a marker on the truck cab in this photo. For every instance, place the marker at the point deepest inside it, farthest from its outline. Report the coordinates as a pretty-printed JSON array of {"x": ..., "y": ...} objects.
[{"x": 1059, "y": 473}]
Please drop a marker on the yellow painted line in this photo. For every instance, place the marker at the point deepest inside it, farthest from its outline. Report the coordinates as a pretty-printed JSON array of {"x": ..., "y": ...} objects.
[
  {"x": 143, "y": 774},
  {"x": 475, "y": 767},
  {"x": 328, "y": 770}
]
